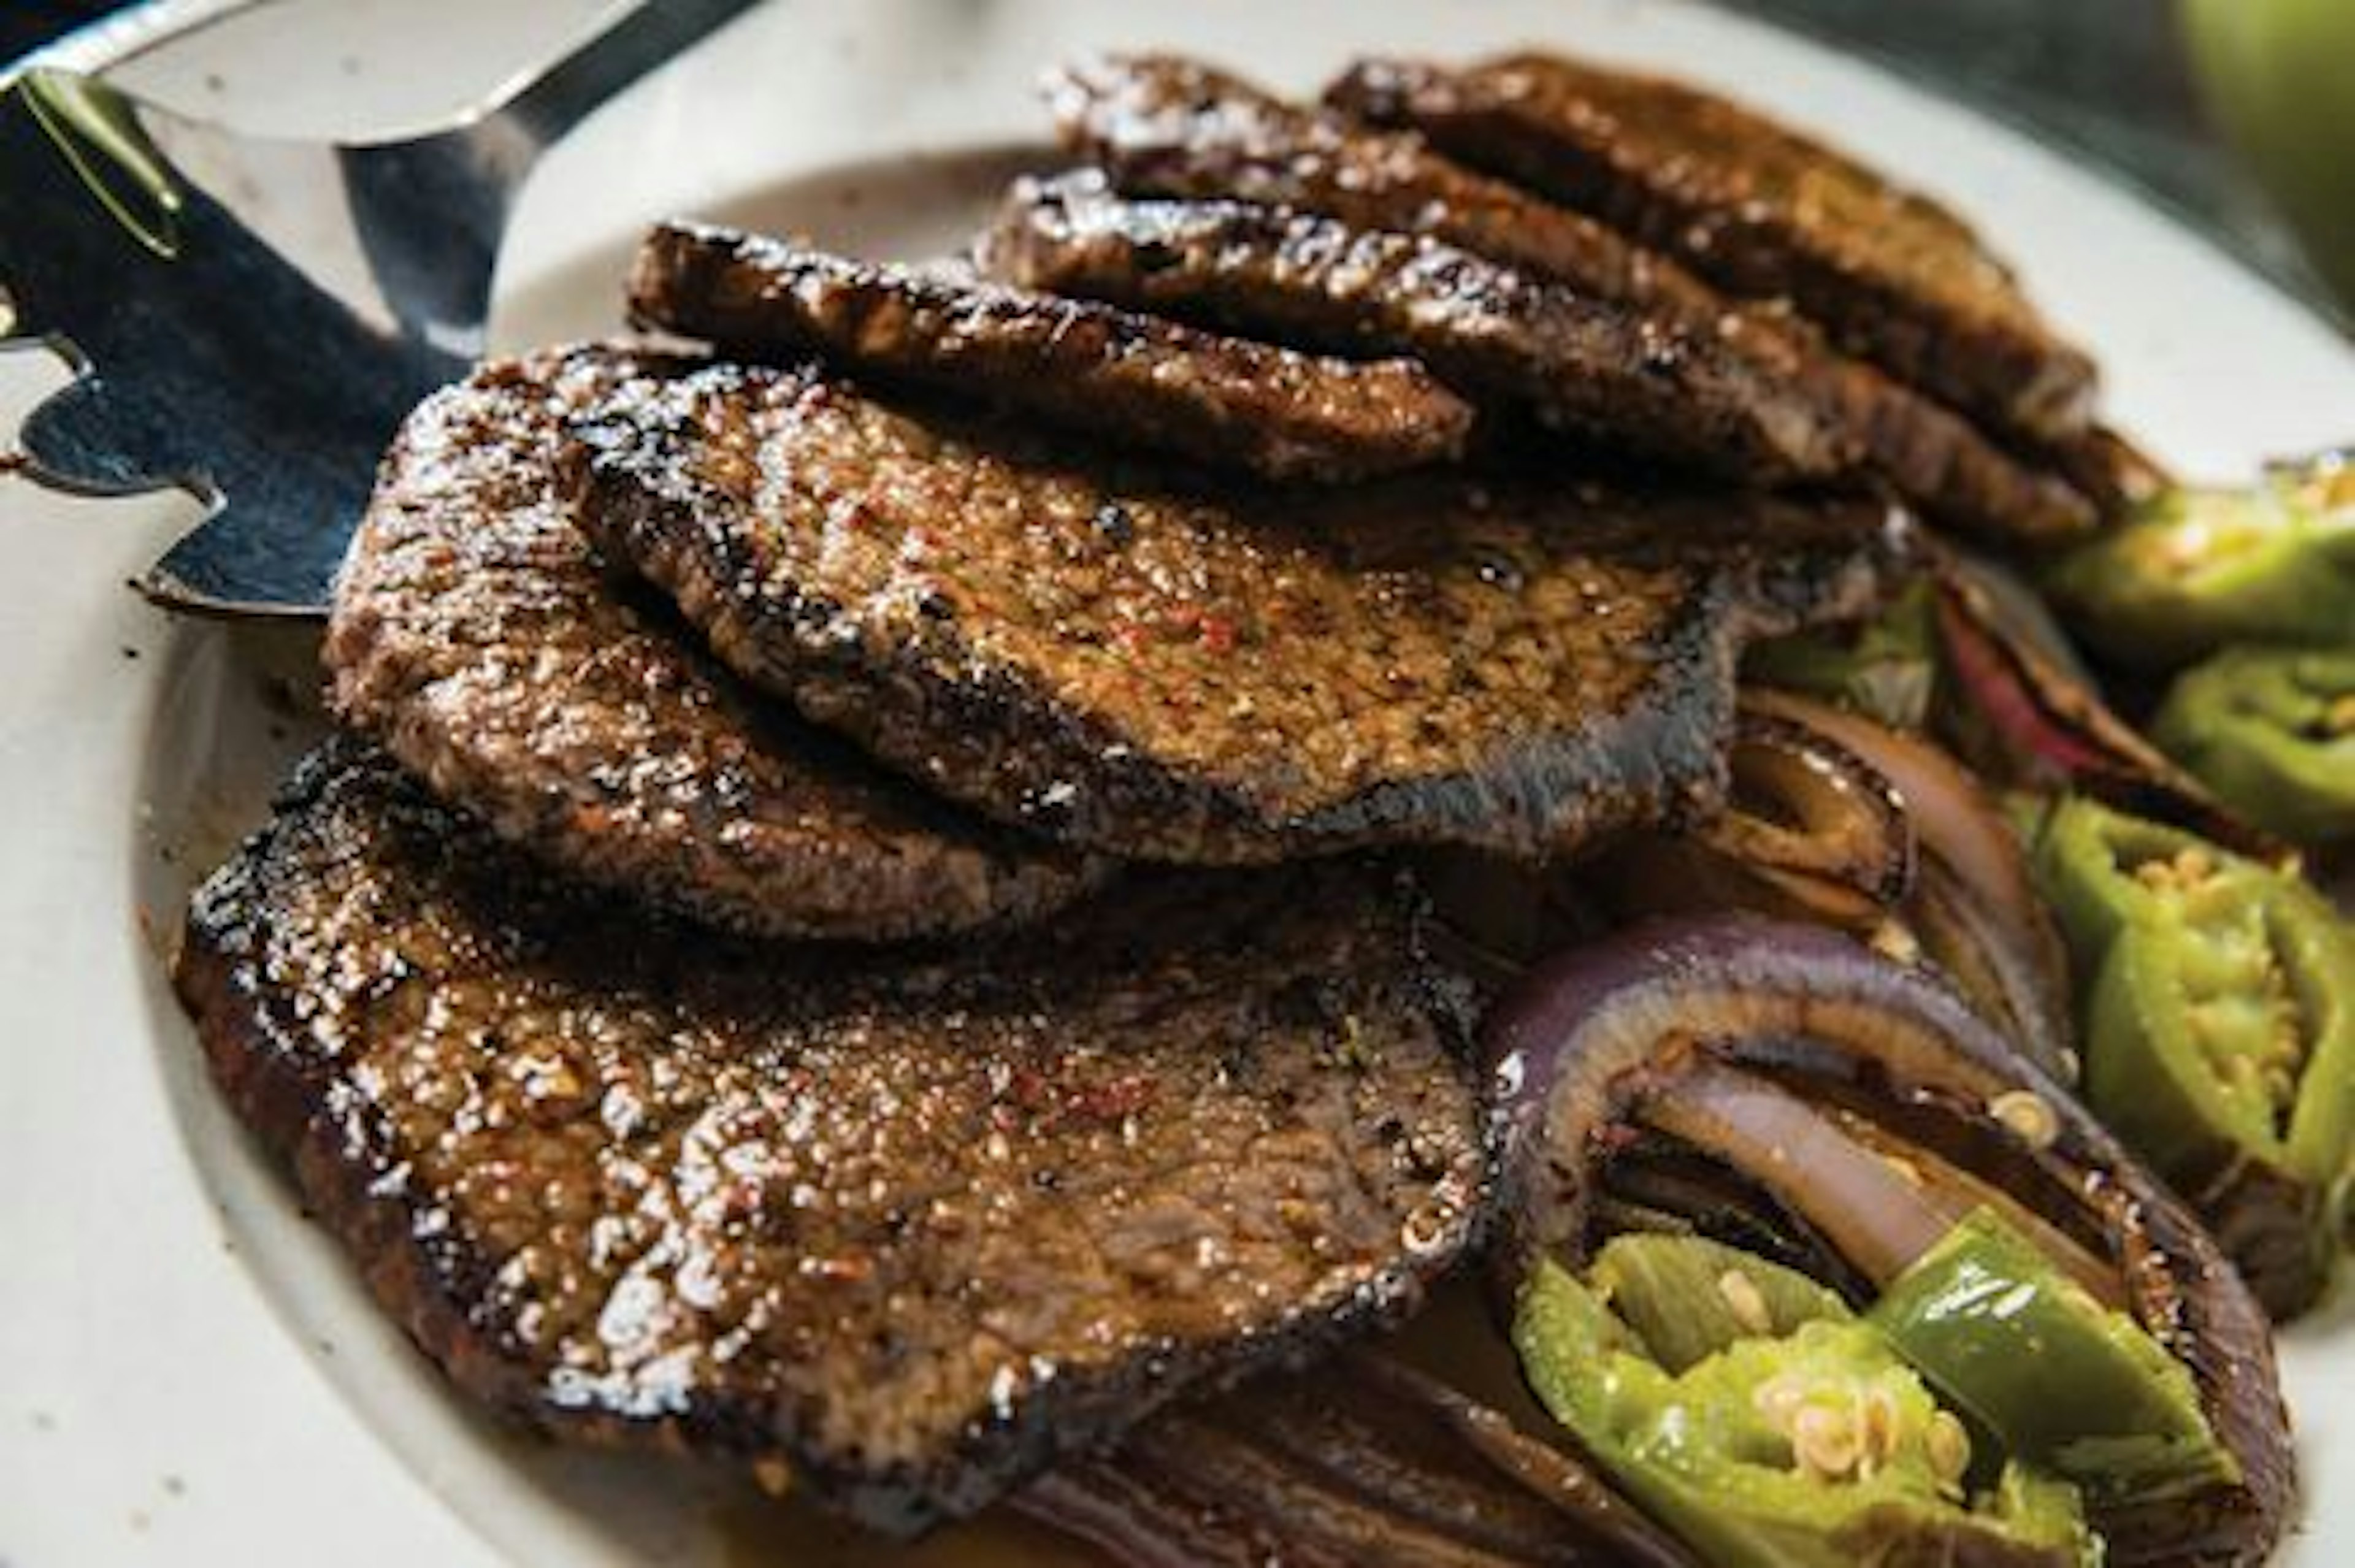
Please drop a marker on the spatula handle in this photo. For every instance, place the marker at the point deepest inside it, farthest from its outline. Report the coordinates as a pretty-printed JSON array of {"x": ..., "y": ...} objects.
[{"x": 547, "y": 103}]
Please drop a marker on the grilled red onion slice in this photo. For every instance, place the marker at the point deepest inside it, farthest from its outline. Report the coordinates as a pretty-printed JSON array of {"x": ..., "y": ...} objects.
[
  {"x": 1810, "y": 830},
  {"x": 1807, "y": 813},
  {"x": 2040, "y": 727},
  {"x": 1710, "y": 1029},
  {"x": 1361, "y": 1462},
  {"x": 1973, "y": 906}
]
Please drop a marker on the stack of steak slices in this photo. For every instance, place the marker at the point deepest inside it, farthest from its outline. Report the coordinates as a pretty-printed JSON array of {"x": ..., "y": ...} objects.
[
  {"x": 1710, "y": 222},
  {"x": 864, "y": 918}
]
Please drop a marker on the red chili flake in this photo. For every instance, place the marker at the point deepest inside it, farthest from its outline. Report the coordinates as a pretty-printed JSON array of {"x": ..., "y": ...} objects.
[
  {"x": 1120, "y": 1099},
  {"x": 844, "y": 1270},
  {"x": 1218, "y": 633},
  {"x": 1030, "y": 1089},
  {"x": 740, "y": 1200}
]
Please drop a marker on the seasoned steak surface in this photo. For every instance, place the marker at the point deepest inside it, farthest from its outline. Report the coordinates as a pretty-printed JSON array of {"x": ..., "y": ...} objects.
[
  {"x": 1167, "y": 126},
  {"x": 1577, "y": 363},
  {"x": 473, "y": 633},
  {"x": 912, "y": 1221},
  {"x": 1759, "y": 208},
  {"x": 1148, "y": 382},
  {"x": 1178, "y": 676},
  {"x": 1501, "y": 333},
  {"x": 1162, "y": 126}
]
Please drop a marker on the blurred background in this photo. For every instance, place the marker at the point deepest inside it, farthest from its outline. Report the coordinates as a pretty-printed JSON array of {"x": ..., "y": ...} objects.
[{"x": 2238, "y": 114}]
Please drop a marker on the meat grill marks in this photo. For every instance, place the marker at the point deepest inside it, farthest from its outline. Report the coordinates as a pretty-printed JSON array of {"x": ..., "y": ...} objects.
[
  {"x": 913, "y": 1221},
  {"x": 1141, "y": 381},
  {"x": 1173, "y": 676},
  {"x": 1169, "y": 127},
  {"x": 1164, "y": 125},
  {"x": 1760, "y": 210},
  {"x": 1499, "y": 334},
  {"x": 473, "y": 633},
  {"x": 1576, "y": 364}
]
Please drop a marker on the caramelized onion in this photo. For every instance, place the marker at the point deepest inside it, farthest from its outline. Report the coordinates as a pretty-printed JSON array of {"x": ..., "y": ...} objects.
[
  {"x": 1879, "y": 1221},
  {"x": 1973, "y": 907},
  {"x": 1810, "y": 829},
  {"x": 1807, "y": 810},
  {"x": 2040, "y": 727},
  {"x": 1362, "y": 1462},
  {"x": 1882, "y": 1206},
  {"x": 1949, "y": 811}
]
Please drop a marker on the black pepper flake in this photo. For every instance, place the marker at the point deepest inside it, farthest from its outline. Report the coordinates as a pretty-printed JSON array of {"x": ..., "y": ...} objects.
[
  {"x": 1156, "y": 256},
  {"x": 1500, "y": 570},
  {"x": 1116, "y": 525}
]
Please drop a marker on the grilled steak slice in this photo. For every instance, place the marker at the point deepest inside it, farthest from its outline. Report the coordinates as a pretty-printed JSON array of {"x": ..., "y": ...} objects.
[
  {"x": 1576, "y": 363},
  {"x": 913, "y": 1222},
  {"x": 1168, "y": 126},
  {"x": 1244, "y": 405},
  {"x": 473, "y": 633},
  {"x": 1498, "y": 332},
  {"x": 1759, "y": 208},
  {"x": 2102, "y": 463},
  {"x": 1177, "y": 676}
]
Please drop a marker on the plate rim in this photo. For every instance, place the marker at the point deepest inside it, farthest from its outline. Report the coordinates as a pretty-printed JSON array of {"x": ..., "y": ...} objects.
[{"x": 161, "y": 21}]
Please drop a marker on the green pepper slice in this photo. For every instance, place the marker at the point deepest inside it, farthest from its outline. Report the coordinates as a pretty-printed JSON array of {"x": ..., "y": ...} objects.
[
  {"x": 2271, "y": 732},
  {"x": 2195, "y": 569},
  {"x": 1811, "y": 1448},
  {"x": 2057, "y": 1378},
  {"x": 2218, "y": 1032},
  {"x": 1688, "y": 1297},
  {"x": 1885, "y": 669}
]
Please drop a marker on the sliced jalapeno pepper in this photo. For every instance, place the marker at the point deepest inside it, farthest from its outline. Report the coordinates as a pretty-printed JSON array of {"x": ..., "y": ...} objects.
[
  {"x": 2271, "y": 732},
  {"x": 2057, "y": 1378},
  {"x": 2218, "y": 1032},
  {"x": 2196, "y": 570},
  {"x": 1884, "y": 669},
  {"x": 1688, "y": 1297},
  {"x": 1804, "y": 1449}
]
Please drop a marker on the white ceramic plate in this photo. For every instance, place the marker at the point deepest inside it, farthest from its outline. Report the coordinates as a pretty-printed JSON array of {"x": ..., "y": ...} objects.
[{"x": 187, "y": 1374}]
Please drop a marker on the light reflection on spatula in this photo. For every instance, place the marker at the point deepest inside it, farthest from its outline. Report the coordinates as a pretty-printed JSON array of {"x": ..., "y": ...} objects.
[{"x": 249, "y": 317}]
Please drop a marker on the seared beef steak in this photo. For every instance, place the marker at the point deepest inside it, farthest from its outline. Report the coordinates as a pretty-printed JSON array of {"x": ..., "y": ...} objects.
[
  {"x": 1578, "y": 364},
  {"x": 1168, "y": 126},
  {"x": 1180, "y": 678},
  {"x": 1141, "y": 381},
  {"x": 1500, "y": 333},
  {"x": 913, "y": 1221},
  {"x": 1759, "y": 208},
  {"x": 473, "y": 633}
]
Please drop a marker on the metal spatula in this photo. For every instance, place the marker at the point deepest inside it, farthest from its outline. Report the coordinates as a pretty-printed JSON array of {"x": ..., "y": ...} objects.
[{"x": 251, "y": 317}]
